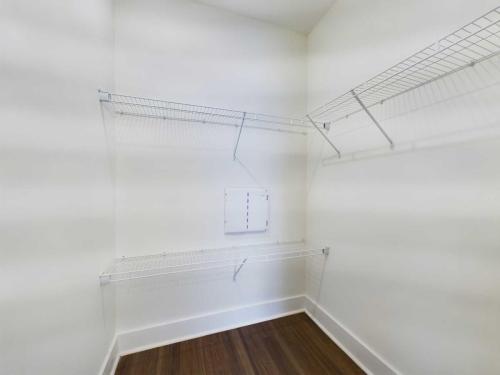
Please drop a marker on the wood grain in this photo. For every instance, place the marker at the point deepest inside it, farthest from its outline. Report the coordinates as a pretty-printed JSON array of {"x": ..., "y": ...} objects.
[{"x": 289, "y": 345}]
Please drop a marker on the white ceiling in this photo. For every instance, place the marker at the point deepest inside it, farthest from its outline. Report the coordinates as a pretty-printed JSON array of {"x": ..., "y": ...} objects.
[{"x": 298, "y": 15}]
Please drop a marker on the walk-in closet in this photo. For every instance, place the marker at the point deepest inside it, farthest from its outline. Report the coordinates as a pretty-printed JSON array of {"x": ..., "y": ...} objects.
[{"x": 250, "y": 187}]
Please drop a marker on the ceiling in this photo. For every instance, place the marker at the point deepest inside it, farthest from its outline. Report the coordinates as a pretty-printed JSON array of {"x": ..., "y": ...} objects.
[{"x": 298, "y": 15}]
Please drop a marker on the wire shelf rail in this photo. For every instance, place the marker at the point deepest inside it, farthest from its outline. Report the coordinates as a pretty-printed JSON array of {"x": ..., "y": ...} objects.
[
  {"x": 189, "y": 113},
  {"x": 467, "y": 46},
  {"x": 130, "y": 268}
]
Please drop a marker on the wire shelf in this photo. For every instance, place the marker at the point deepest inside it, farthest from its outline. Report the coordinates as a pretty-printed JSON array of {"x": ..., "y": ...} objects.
[
  {"x": 189, "y": 113},
  {"x": 467, "y": 46},
  {"x": 130, "y": 268}
]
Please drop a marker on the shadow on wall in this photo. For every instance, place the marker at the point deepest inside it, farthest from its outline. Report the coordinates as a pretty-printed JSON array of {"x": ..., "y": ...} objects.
[
  {"x": 164, "y": 298},
  {"x": 459, "y": 108}
]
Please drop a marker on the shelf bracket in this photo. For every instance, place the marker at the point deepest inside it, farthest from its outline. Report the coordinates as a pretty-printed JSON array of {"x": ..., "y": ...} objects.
[
  {"x": 104, "y": 96},
  {"x": 372, "y": 118},
  {"x": 104, "y": 279},
  {"x": 324, "y": 136},
  {"x": 238, "y": 269},
  {"x": 239, "y": 136}
]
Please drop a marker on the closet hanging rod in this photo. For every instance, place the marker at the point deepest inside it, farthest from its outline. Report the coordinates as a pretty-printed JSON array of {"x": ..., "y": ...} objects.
[
  {"x": 145, "y": 273},
  {"x": 167, "y": 110},
  {"x": 278, "y": 130},
  {"x": 249, "y": 247},
  {"x": 140, "y": 267},
  {"x": 473, "y": 43}
]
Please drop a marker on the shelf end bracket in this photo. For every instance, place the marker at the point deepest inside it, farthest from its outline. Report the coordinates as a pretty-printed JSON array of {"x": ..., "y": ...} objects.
[
  {"x": 104, "y": 96},
  {"x": 324, "y": 136},
  {"x": 239, "y": 135},
  {"x": 360, "y": 102},
  {"x": 104, "y": 279}
]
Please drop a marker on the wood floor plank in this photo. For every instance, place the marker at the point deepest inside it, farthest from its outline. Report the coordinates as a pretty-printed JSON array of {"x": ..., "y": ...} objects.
[
  {"x": 323, "y": 343},
  {"x": 169, "y": 359},
  {"x": 191, "y": 358},
  {"x": 144, "y": 363},
  {"x": 291, "y": 345},
  {"x": 241, "y": 351},
  {"x": 262, "y": 361},
  {"x": 309, "y": 360}
]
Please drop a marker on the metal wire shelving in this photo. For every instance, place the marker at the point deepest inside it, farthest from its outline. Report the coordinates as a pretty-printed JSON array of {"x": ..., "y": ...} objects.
[
  {"x": 140, "y": 267},
  {"x": 189, "y": 113},
  {"x": 469, "y": 45}
]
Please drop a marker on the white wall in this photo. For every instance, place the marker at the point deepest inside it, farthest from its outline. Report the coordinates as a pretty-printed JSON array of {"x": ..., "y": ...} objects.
[
  {"x": 56, "y": 219},
  {"x": 415, "y": 236},
  {"x": 192, "y": 53},
  {"x": 171, "y": 176},
  {"x": 413, "y": 272}
]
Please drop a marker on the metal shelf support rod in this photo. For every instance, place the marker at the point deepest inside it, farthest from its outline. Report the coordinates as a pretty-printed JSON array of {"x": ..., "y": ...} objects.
[
  {"x": 237, "y": 270},
  {"x": 324, "y": 136},
  {"x": 239, "y": 136},
  {"x": 373, "y": 118}
]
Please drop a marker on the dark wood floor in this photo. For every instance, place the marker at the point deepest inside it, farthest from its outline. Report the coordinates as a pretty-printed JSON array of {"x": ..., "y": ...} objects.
[{"x": 290, "y": 345}]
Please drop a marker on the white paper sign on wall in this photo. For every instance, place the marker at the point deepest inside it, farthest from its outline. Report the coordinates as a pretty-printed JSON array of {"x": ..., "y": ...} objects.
[{"x": 246, "y": 210}]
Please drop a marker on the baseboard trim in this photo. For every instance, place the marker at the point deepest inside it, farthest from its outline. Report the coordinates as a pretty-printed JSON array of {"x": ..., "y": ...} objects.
[
  {"x": 197, "y": 326},
  {"x": 111, "y": 360},
  {"x": 364, "y": 356},
  {"x": 170, "y": 332}
]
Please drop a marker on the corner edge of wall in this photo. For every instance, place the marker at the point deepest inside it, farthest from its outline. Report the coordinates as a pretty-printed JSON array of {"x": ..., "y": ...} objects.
[
  {"x": 364, "y": 356},
  {"x": 192, "y": 327},
  {"x": 111, "y": 359}
]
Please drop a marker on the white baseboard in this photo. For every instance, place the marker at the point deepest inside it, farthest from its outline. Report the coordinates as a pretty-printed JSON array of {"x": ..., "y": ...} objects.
[
  {"x": 365, "y": 357},
  {"x": 201, "y": 325},
  {"x": 111, "y": 359}
]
